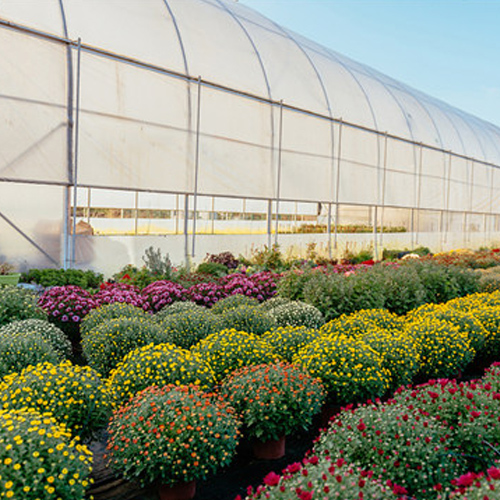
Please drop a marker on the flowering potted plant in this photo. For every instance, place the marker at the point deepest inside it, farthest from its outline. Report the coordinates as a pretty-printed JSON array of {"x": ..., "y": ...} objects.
[
  {"x": 273, "y": 401},
  {"x": 7, "y": 277},
  {"x": 172, "y": 436}
]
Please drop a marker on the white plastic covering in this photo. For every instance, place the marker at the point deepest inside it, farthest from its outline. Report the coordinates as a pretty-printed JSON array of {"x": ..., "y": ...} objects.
[{"x": 209, "y": 99}]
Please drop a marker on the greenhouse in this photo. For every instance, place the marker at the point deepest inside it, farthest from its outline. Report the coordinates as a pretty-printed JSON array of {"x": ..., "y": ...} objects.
[{"x": 197, "y": 126}]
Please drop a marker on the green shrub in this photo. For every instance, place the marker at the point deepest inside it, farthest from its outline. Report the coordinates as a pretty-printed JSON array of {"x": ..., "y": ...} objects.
[
  {"x": 40, "y": 459},
  {"x": 444, "y": 349},
  {"x": 17, "y": 304},
  {"x": 291, "y": 285},
  {"x": 105, "y": 345},
  {"x": 296, "y": 314},
  {"x": 159, "y": 365},
  {"x": 116, "y": 310},
  {"x": 177, "y": 307},
  {"x": 61, "y": 277},
  {"x": 350, "y": 370},
  {"x": 212, "y": 268},
  {"x": 489, "y": 280},
  {"x": 247, "y": 319},
  {"x": 189, "y": 327},
  {"x": 288, "y": 340},
  {"x": 228, "y": 350},
  {"x": 55, "y": 336},
  {"x": 232, "y": 302},
  {"x": 74, "y": 395}
]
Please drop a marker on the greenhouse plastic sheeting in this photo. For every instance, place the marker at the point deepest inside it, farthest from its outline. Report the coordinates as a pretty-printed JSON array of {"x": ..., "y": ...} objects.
[{"x": 209, "y": 99}]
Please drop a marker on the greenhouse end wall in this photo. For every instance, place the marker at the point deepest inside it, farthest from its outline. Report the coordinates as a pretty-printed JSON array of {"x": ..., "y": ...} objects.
[{"x": 294, "y": 145}]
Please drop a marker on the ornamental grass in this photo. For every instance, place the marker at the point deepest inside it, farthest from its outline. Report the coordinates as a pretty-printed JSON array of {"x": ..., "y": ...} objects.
[
  {"x": 172, "y": 434},
  {"x": 350, "y": 369},
  {"x": 296, "y": 313},
  {"x": 39, "y": 459},
  {"x": 106, "y": 344},
  {"x": 408, "y": 449},
  {"x": 74, "y": 395},
  {"x": 18, "y": 304},
  {"x": 444, "y": 349},
  {"x": 469, "y": 410},
  {"x": 158, "y": 365},
  {"x": 273, "y": 400},
  {"x": 230, "y": 349},
  {"x": 288, "y": 340},
  {"x": 115, "y": 310},
  {"x": 186, "y": 328},
  {"x": 322, "y": 477}
]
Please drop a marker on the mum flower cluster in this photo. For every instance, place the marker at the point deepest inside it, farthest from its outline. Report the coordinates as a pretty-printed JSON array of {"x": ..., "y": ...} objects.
[
  {"x": 74, "y": 395},
  {"x": 172, "y": 434},
  {"x": 40, "y": 459},
  {"x": 67, "y": 304},
  {"x": 110, "y": 293}
]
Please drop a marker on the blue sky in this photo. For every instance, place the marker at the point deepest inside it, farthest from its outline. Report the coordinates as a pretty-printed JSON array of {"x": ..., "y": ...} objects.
[{"x": 449, "y": 49}]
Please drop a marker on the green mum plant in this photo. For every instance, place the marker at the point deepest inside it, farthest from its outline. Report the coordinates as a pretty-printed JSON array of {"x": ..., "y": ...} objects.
[
  {"x": 55, "y": 336},
  {"x": 115, "y": 310},
  {"x": 444, "y": 349},
  {"x": 40, "y": 459},
  {"x": 74, "y": 395},
  {"x": 247, "y": 319},
  {"x": 322, "y": 476},
  {"x": 228, "y": 350},
  {"x": 106, "y": 344},
  {"x": 189, "y": 327},
  {"x": 297, "y": 314},
  {"x": 273, "y": 400},
  {"x": 233, "y": 301},
  {"x": 18, "y": 351},
  {"x": 406, "y": 448},
  {"x": 159, "y": 365},
  {"x": 172, "y": 434},
  {"x": 350, "y": 370},
  {"x": 17, "y": 304},
  {"x": 175, "y": 308},
  {"x": 270, "y": 304},
  {"x": 288, "y": 340}
]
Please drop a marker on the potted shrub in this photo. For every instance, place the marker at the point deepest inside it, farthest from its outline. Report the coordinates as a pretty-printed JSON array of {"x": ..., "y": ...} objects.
[
  {"x": 273, "y": 401},
  {"x": 172, "y": 436},
  {"x": 7, "y": 277}
]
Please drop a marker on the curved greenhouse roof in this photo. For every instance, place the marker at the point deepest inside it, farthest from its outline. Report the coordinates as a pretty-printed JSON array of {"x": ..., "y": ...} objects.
[
  {"x": 231, "y": 45},
  {"x": 195, "y": 118}
]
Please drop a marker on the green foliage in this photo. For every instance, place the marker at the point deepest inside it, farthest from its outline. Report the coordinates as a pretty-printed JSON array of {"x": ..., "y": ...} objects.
[
  {"x": 17, "y": 304},
  {"x": 296, "y": 314},
  {"x": 393, "y": 254},
  {"x": 232, "y": 302},
  {"x": 291, "y": 285},
  {"x": 61, "y": 277},
  {"x": 247, "y": 319},
  {"x": 186, "y": 328},
  {"x": 267, "y": 305},
  {"x": 115, "y": 310},
  {"x": 273, "y": 400},
  {"x": 175, "y": 308},
  {"x": 269, "y": 259},
  {"x": 140, "y": 277},
  {"x": 357, "y": 257},
  {"x": 213, "y": 268},
  {"x": 107, "y": 343}
]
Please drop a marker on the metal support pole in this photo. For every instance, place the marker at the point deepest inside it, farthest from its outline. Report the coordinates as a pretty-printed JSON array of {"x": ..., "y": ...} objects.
[
  {"x": 196, "y": 166},
  {"x": 337, "y": 187},
  {"x": 278, "y": 184},
  {"x": 269, "y": 221},
  {"x": 384, "y": 179},
  {"x": 447, "y": 199},
  {"x": 186, "y": 228},
  {"x": 75, "y": 158},
  {"x": 329, "y": 230},
  {"x": 419, "y": 192},
  {"x": 375, "y": 243},
  {"x": 136, "y": 213}
]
